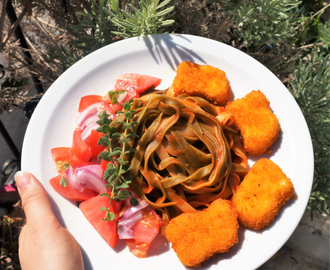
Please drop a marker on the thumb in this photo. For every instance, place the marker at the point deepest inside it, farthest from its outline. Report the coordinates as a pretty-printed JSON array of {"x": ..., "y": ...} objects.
[{"x": 34, "y": 198}]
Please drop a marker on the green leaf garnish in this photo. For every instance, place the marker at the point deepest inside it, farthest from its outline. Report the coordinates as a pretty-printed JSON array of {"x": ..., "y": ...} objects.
[
  {"x": 117, "y": 136},
  {"x": 65, "y": 166},
  {"x": 133, "y": 201},
  {"x": 64, "y": 182}
]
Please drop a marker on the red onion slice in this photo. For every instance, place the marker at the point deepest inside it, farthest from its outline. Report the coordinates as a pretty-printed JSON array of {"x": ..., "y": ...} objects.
[
  {"x": 70, "y": 174},
  {"x": 133, "y": 209},
  {"x": 124, "y": 233},
  {"x": 91, "y": 119},
  {"x": 124, "y": 225},
  {"x": 90, "y": 110},
  {"x": 86, "y": 133},
  {"x": 91, "y": 177},
  {"x": 130, "y": 217}
]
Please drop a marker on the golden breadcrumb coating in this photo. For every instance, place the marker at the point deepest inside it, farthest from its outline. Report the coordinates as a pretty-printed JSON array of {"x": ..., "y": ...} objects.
[
  {"x": 204, "y": 81},
  {"x": 264, "y": 190},
  {"x": 195, "y": 237},
  {"x": 258, "y": 125}
]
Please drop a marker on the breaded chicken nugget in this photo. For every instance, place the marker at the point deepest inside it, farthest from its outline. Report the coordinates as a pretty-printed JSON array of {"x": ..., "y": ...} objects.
[
  {"x": 204, "y": 81},
  {"x": 264, "y": 190},
  {"x": 195, "y": 237},
  {"x": 258, "y": 125}
]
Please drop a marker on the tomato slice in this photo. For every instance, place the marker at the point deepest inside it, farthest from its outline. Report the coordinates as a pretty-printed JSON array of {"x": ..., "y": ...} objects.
[
  {"x": 147, "y": 229},
  {"x": 80, "y": 148},
  {"x": 92, "y": 142},
  {"x": 140, "y": 250},
  {"x": 116, "y": 107},
  {"x": 105, "y": 106},
  {"x": 107, "y": 229},
  {"x": 144, "y": 232},
  {"x": 75, "y": 161},
  {"x": 88, "y": 100},
  {"x": 61, "y": 154},
  {"x": 137, "y": 82},
  {"x": 69, "y": 192},
  {"x": 131, "y": 94}
]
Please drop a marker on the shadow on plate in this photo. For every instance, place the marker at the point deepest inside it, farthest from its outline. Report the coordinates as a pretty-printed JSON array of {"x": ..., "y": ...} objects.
[
  {"x": 174, "y": 53},
  {"x": 274, "y": 148},
  {"x": 87, "y": 262},
  {"x": 56, "y": 211},
  {"x": 158, "y": 246},
  {"x": 121, "y": 245}
]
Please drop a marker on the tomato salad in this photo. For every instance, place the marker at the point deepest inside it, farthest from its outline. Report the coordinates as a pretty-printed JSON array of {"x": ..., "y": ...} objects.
[{"x": 80, "y": 175}]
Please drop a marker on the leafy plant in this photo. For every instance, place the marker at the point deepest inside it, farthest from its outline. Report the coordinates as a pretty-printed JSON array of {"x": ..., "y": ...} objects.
[
  {"x": 95, "y": 30},
  {"x": 99, "y": 27},
  {"x": 324, "y": 33},
  {"x": 311, "y": 89},
  {"x": 263, "y": 21},
  {"x": 150, "y": 18}
]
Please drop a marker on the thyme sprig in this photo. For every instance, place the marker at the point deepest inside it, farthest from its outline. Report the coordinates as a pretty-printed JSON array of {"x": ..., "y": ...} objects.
[{"x": 117, "y": 136}]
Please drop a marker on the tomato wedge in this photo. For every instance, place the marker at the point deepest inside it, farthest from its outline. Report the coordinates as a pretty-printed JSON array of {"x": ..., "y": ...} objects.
[
  {"x": 69, "y": 192},
  {"x": 75, "y": 161},
  {"x": 92, "y": 142},
  {"x": 88, "y": 100},
  {"x": 147, "y": 229},
  {"x": 107, "y": 229},
  {"x": 140, "y": 250},
  {"x": 136, "y": 82},
  {"x": 105, "y": 106},
  {"x": 144, "y": 232},
  {"x": 80, "y": 148},
  {"x": 62, "y": 155}
]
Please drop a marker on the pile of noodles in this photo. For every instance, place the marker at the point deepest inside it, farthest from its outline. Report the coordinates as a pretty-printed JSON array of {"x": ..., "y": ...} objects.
[{"x": 188, "y": 153}]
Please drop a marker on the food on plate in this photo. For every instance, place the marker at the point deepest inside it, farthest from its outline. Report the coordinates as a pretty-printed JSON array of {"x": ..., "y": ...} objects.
[
  {"x": 136, "y": 82},
  {"x": 264, "y": 190},
  {"x": 170, "y": 162},
  {"x": 196, "y": 237},
  {"x": 144, "y": 232},
  {"x": 258, "y": 125},
  {"x": 106, "y": 228},
  {"x": 68, "y": 192},
  {"x": 204, "y": 81}
]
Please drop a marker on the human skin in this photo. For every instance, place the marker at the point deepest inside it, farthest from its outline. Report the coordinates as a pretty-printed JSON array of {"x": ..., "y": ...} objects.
[{"x": 43, "y": 242}]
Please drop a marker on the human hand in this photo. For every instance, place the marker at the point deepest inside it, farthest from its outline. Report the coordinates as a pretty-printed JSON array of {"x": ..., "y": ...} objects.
[{"x": 43, "y": 242}]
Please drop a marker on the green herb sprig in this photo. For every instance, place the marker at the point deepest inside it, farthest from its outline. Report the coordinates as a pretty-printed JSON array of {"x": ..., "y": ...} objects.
[{"x": 117, "y": 136}]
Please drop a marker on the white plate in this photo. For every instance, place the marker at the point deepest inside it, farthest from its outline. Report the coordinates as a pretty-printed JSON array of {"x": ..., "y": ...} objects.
[{"x": 53, "y": 122}]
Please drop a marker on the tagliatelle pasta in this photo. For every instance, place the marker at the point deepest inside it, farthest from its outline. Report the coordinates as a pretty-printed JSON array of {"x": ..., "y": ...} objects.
[{"x": 186, "y": 157}]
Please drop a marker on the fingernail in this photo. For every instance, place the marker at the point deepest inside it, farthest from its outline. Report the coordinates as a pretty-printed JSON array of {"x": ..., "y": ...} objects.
[{"x": 22, "y": 179}]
